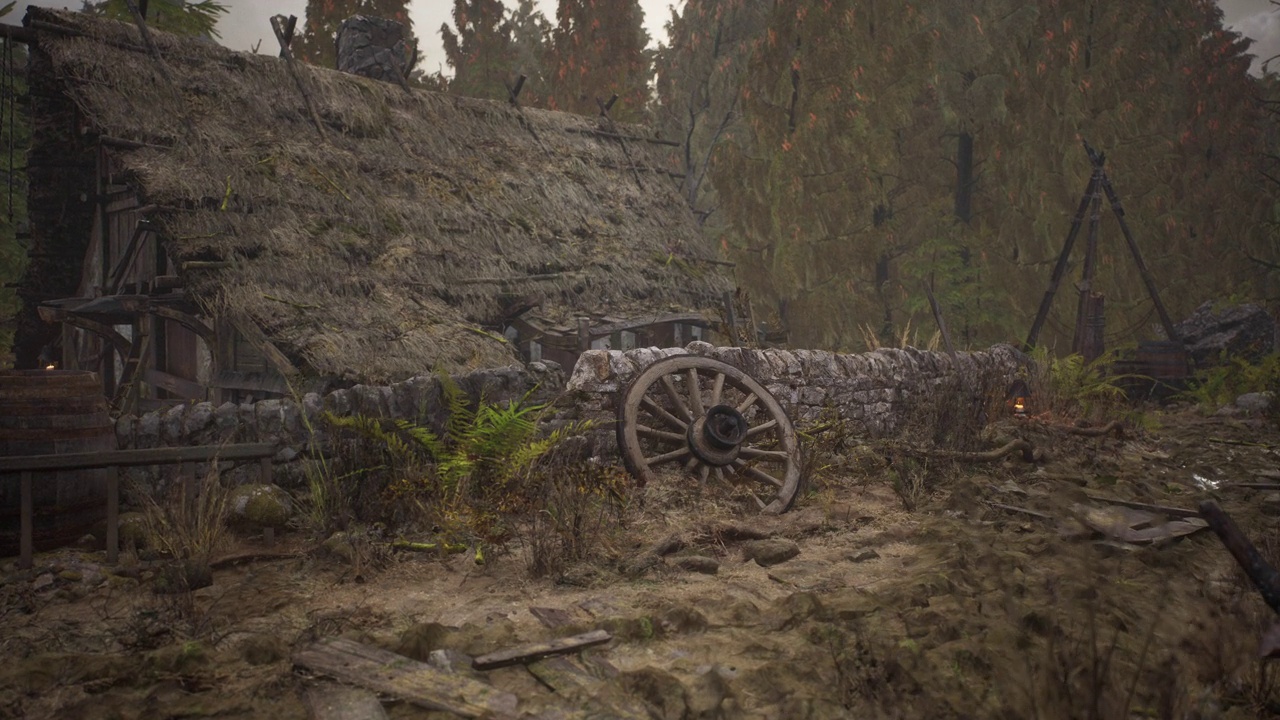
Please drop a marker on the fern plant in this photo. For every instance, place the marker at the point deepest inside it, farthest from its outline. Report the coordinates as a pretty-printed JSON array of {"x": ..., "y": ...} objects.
[{"x": 1069, "y": 386}]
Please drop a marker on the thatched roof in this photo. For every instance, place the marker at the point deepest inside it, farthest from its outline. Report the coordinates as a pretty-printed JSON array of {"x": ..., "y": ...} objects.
[{"x": 380, "y": 249}]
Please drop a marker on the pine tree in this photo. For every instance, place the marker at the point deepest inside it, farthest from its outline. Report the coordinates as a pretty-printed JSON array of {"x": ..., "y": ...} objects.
[
  {"x": 699, "y": 81},
  {"x": 530, "y": 52},
  {"x": 480, "y": 52},
  {"x": 317, "y": 42},
  {"x": 599, "y": 49}
]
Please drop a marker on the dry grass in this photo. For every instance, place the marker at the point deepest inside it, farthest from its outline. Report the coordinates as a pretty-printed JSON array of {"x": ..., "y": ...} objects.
[{"x": 189, "y": 528}]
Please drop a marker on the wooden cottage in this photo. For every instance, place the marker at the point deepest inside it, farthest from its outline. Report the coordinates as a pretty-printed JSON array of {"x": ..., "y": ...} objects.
[{"x": 209, "y": 224}]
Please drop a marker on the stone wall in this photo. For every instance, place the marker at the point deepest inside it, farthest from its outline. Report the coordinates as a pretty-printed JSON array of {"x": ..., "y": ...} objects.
[
  {"x": 877, "y": 389},
  {"x": 294, "y": 424}
]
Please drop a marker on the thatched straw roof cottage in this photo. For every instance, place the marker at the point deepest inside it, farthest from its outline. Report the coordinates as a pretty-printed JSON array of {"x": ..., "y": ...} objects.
[{"x": 195, "y": 224}]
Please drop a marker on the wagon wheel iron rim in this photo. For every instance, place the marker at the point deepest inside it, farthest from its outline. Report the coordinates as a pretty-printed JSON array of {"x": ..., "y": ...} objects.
[{"x": 712, "y": 420}]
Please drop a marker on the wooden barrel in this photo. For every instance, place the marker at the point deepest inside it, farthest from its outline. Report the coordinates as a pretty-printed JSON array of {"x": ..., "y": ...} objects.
[
  {"x": 45, "y": 412},
  {"x": 1162, "y": 359}
]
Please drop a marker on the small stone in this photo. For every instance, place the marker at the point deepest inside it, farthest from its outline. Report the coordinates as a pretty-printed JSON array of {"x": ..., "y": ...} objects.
[
  {"x": 771, "y": 551},
  {"x": 42, "y": 582},
  {"x": 699, "y": 564},
  {"x": 1255, "y": 402},
  {"x": 263, "y": 649},
  {"x": 864, "y": 556},
  {"x": 261, "y": 505},
  {"x": 71, "y": 575},
  {"x": 339, "y": 544}
]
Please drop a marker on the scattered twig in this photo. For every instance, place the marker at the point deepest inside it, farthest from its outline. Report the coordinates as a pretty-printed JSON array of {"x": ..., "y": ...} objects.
[
  {"x": 1017, "y": 445},
  {"x": 537, "y": 651},
  {"x": 1114, "y": 425},
  {"x": 1022, "y": 510},
  {"x": 1243, "y": 443}
]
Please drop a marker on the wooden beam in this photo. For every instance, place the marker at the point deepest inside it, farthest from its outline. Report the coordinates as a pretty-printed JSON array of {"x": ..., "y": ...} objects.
[
  {"x": 250, "y": 331},
  {"x": 17, "y": 33},
  {"x": 537, "y": 651},
  {"x": 181, "y": 387},
  {"x": 104, "y": 331},
  {"x": 26, "y": 522},
  {"x": 407, "y": 679},
  {"x": 127, "y": 259},
  {"x": 186, "y": 320},
  {"x": 137, "y": 458},
  {"x": 688, "y": 318}
]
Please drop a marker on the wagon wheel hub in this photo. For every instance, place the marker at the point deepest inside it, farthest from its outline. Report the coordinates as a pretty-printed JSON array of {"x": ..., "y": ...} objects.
[{"x": 715, "y": 437}]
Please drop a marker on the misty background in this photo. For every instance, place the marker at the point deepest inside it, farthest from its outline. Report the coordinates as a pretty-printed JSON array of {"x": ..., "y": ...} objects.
[{"x": 246, "y": 26}]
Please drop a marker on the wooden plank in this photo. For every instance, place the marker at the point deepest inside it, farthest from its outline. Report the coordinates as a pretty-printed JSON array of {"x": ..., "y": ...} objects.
[
  {"x": 407, "y": 679},
  {"x": 181, "y": 387},
  {"x": 249, "y": 381},
  {"x": 186, "y": 320},
  {"x": 684, "y": 318},
  {"x": 26, "y": 524},
  {"x": 134, "y": 458},
  {"x": 339, "y": 702},
  {"x": 537, "y": 651},
  {"x": 254, "y": 335},
  {"x": 577, "y": 686}
]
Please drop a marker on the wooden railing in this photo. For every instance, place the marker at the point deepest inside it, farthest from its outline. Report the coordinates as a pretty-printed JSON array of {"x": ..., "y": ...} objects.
[{"x": 113, "y": 460}]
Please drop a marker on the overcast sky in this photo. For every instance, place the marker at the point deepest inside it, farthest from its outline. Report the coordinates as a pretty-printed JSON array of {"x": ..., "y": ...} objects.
[{"x": 247, "y": 23}]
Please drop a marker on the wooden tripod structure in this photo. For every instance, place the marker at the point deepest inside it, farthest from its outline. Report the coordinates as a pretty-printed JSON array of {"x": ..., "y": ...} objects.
[{"x": 1090, "y": 305}]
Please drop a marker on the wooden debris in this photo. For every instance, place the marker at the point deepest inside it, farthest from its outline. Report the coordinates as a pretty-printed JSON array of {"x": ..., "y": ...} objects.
[
  {"x": 339, "y": 702},
  {"x": 1159, "y": 509},
  {"x": 537, "y": 651},
  {"x": 1022, "y": 510},
  {"x": 1017, "y": 445},
  {"x": 1133, "y": 526},
  {"x": 405, "y": 678},
  {"x": 552, "y": 617},
  {"x": 577, "y": 684}
]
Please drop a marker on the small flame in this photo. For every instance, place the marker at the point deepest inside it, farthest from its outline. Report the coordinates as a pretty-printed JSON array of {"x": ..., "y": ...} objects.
[
  {"x": 1019, "y": 406},
  {"x": 50, "y": 366}
]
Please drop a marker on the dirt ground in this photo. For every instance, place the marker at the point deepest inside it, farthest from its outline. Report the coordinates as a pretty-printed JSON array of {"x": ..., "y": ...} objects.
[{"x": 990, "y": 597}]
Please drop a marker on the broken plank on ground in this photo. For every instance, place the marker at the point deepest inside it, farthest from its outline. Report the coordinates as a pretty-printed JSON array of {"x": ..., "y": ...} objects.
[
  {"x": 329, "y": 701},
  {"x": 405, "y": 678},
  {"x": 537, "y": 651},
  {"x": 577, "y": 685}
]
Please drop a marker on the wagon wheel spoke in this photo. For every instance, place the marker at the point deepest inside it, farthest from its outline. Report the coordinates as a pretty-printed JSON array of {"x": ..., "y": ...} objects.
[
  {"x": 717, "y": 389},
  {"x": 750, "y": 452},
  {"x": 719, "y": 473},
  {"x": 757, "y": 473},
  {"x": 695, "y": 393},
  {"x": 667, "y": 457},
  {"x": 646, "y": 431},
  {"x": 693, "y": 463},
  {"x": 748, "y": 402},
  {"x": 661, "y": 413},
  {"x": 762, "y": 427},
  {"x": 677, "y": 403},
  {"x": 703, "y": 472}
]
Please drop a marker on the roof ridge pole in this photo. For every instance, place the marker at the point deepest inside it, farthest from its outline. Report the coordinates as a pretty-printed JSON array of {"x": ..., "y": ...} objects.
[
  {"x": 605, "y": 107},
  {"x": 277, "y": 25},
  {"x": 164, "y": 69}
]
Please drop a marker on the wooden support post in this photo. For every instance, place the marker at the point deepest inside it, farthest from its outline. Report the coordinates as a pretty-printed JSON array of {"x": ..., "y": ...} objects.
[
  {"x": 937, "y": 317},
  {"x": 584, "y": 334},
  {"x": 113, "y": 514},
  {"x": 1060, "y": 269},
  {"x": 27, "y": 523},
  {"x": 190, "y": 493},
  {"x": 1086, "y": 278},
  {"x": 731, "y": 318},
  {"x": 264, "y": 471},
  {"x": 269, "y": 536}
]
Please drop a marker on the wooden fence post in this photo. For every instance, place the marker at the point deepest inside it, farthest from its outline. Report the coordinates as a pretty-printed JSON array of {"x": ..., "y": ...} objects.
[
  {"x": 113, "y": 514},
  {"x": 264, "y": 477},
  {"x": 27, "y": 522}
]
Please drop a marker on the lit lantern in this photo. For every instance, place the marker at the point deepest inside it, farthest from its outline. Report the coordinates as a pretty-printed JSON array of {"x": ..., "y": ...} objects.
[{"x": 1018, "y": 397}]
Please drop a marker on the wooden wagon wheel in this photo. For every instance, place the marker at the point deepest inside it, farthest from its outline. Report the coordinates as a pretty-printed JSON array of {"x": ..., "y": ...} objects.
[{"x": 712, "y": 419}]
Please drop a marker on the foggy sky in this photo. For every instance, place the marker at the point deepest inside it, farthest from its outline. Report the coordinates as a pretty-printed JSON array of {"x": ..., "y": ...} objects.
[{"x": 247, "y": 23}]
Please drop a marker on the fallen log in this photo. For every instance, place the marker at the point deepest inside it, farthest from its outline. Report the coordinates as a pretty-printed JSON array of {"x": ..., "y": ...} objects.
[
  {"x": 1161, "y": 509},
  {"x": 1019, "y": 445}
]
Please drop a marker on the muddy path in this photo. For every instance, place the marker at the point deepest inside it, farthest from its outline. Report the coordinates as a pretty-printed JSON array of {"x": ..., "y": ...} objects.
[{"x": 995, "y": 596}]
